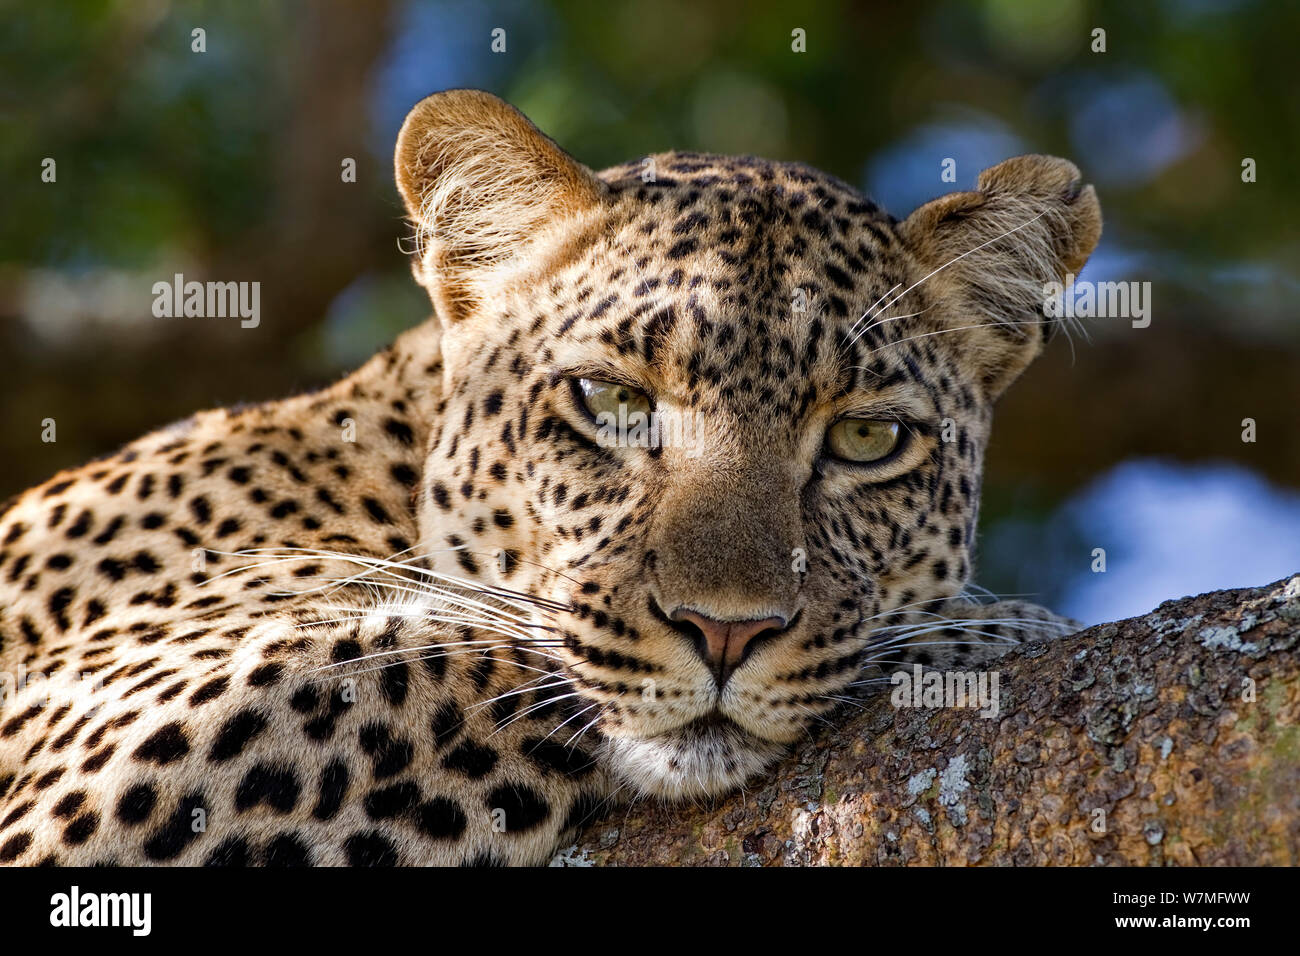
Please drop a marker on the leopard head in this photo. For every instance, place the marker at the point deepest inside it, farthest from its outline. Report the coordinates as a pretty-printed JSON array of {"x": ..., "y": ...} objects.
[{"x": 720, "y": 415}]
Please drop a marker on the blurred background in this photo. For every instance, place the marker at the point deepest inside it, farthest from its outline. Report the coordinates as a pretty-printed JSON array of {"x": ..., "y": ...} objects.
[{"x": 225, "y": 164}]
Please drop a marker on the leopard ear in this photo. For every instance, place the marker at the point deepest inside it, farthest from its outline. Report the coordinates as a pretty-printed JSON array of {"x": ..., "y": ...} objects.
[
  {"x": 1029, "y": 223},
  {"x": 480, "y": 182}
]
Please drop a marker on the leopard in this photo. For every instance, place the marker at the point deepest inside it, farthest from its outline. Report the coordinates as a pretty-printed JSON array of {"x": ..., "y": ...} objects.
[{"x": 688, "y": 455}]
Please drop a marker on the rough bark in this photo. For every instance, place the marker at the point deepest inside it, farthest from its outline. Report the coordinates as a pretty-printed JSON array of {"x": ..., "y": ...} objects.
[{"x": 1182, "y": 726}]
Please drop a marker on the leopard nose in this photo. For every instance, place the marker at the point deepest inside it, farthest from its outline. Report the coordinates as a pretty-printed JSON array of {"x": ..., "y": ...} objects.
[{"x": 725, "y": 644}]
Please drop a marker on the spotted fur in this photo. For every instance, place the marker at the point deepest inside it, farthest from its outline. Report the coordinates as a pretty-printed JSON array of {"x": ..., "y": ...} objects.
[{"x": 424, "y": 616}]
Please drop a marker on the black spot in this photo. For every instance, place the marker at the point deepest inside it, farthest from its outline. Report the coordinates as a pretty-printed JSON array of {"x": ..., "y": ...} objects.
[
  {"x": 333, "y": 788},
  {"x": 107, "y": 535},
  {"x": 164, "y": 745},
  {"x": 376, "y": 511},
  {"x": 838, "y": 276},
  {"x": 287, "y": 850},
  {"x": 209, "y": 691},
  {"x": 693, "y": 221},
  {"x": 59, "y": 602},
  {"x": 69, "y": 804},
  {"x": 145, "y": 562},
  {"x": 524, "y": 807},
  {"x": 435, "y": 665},
  {"x": 400, "y": 430},
  {"x": 464, "y": 559},
  {"x": 79, "y": 830},
  {"x": 682, "y": 248},
  {"x": 235, "y": 734},
  {"x": 135, "y": 804},
  {"x": 369, "y": 849},
  {"x": 14, "y": 846},
  {"x": 94, "y": 611},
  {"x": 284, "y": 508},
  {"x": 389, "y": 755},
  {"x": 390, "y": 801},
  {"x": 17, "y": 814},
  {"x": 16, "y": 723},
  {"x": 440, "y": 496},
  {"x": 266, "y": 674},
  {"x": 178, "y": 832},
  {"x": 445, "y": 724},
  {"x": 441, "y": 819},
  {"x": 304, "y": 699},
  {"x": 265, "y": 784},
  {"x": 555, "y": 757},
  {"x": 394, "y": 681},
  {"x": 232, "y": 851},
  {"x": 481, "y": 672},
  {"x": 345, "y": 650},
  {"x": 201, "y": 509},
  {"x": 95, "y": 762},
  {"x": 471, "y": 759},
  {"x": 81, "y": 526}
]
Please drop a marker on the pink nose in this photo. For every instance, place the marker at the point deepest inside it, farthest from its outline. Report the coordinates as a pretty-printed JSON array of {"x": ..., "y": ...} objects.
[{"x": 722, "y": 643}]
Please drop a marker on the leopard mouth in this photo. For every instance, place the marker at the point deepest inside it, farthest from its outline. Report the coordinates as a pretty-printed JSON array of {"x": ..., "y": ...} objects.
[{"x": 713, "y": 725}]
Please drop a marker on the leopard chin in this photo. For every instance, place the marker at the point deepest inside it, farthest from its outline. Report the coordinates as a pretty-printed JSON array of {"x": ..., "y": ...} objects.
[{"x": 708, "y": 757}]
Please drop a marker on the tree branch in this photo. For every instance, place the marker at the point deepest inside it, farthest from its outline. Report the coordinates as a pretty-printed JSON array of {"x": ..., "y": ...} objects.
[{"x": 1172, "y": 738}]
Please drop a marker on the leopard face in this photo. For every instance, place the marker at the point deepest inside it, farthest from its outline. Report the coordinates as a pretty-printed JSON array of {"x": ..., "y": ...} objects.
[{"x": 822, "y": 375}]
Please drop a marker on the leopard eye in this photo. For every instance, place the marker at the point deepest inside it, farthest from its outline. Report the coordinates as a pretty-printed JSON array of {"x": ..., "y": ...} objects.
[
  {"x": 863, "y": 439},
  {"x": 601, "y": 398}
]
